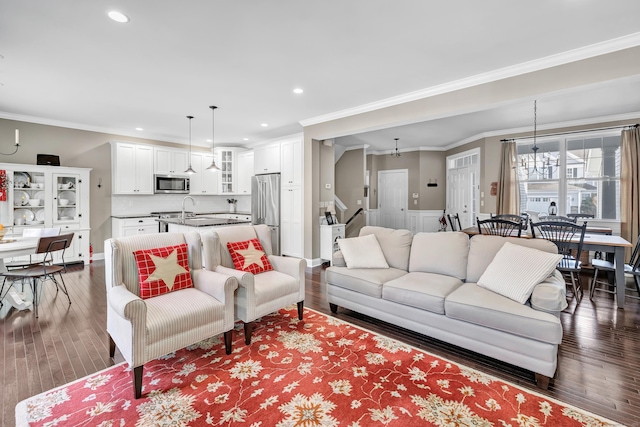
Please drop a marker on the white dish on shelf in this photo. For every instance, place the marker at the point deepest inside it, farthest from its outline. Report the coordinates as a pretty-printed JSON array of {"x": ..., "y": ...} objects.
[
  {"x": 20, "y": 198},
  {"x": 20, "y": 179},
  {"x": 35, "y": 222},
  {"x": 38, "y": 195},
  {"x": 67, "y": 214},
  {"x": 68, "y": 195},
  {"x": 26, "y": 214},
  {"x": 40, "y": 215}
]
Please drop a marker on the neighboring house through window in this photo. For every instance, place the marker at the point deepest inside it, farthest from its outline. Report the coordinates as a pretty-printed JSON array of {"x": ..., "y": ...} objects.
[{"x": 580, "y": 172}]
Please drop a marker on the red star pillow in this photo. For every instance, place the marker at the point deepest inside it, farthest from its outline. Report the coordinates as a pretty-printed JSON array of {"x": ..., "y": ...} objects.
[
  {"x": 249, "y": 256},
  {"x": 162, "y": 270}
]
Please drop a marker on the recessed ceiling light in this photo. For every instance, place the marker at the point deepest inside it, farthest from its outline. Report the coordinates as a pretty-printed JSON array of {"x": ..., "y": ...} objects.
[
  {"x": 209, "y": 140},
  {"x": 140, "y": 129},
  {"x": 264, "y": 125},
  {"x": 118, "y": 16},
  {"x": 245, "y": 139},
  {"x": 298, "y": 90}
]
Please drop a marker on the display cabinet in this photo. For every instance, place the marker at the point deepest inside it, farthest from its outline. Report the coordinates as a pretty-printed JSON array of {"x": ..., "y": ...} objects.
[{"x": 45, "y": 197}]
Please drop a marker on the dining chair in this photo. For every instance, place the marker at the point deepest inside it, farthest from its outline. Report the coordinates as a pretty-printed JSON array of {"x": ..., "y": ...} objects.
[
  {"x": 43, "y": 270},
  {"x": 453, "y": 225},
  {"x": 499, "y": 227},
  {"x": 512, "y": 217},
  {"x": 563, "y": 234},
  {"x": 32, "y": 232},
  {"x": 601, "y": 265}
]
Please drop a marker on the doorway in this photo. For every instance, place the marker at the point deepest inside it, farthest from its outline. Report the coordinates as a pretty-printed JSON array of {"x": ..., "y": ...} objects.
[
  {"x": 392, "y": 198},
  {"x": 463, "y": 186}
]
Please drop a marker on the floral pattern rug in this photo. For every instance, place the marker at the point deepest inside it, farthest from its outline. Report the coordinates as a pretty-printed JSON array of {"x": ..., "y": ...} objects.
[{"x": 320, "y": 371}]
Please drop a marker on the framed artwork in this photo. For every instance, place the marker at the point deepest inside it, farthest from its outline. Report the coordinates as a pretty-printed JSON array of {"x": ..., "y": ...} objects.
[{"x": 329, "y": 218}]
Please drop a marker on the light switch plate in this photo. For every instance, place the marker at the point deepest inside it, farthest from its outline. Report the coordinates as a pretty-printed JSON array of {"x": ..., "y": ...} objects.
[{"x": 415, "y": 195}]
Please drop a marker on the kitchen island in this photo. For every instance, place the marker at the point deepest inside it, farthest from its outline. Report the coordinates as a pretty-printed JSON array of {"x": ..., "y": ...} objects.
[{"x": 199, "y": 223}]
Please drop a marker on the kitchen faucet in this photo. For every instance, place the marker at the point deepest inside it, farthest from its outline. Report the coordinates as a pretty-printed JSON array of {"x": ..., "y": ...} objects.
[{"x": 184, "y": 200}]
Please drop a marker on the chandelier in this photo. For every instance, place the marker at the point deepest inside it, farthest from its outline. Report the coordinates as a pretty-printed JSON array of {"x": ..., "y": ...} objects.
[
  {"x": 532, "y": 164},
  {"x": 396, "y": 153}
]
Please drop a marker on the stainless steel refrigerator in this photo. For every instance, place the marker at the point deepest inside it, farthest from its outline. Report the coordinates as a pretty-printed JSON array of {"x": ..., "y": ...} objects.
[{"x": 265, "y": 205}]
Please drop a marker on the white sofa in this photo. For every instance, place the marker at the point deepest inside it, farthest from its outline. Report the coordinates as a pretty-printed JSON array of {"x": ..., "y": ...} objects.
[{"x": 430, "y": 287}]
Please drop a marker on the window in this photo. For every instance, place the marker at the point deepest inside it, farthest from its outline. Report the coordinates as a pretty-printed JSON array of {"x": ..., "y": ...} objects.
[{"x": 582, "y": 171}]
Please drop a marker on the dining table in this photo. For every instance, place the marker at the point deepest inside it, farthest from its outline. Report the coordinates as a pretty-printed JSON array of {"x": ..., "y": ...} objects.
[
  {"x": 14, "y": 246},
  {"x": 594, "y": 240}
]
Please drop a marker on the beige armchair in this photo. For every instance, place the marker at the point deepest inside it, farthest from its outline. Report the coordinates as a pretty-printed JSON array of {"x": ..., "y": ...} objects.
[
  {"x": 145, "y": 329},
  {"x": 258, "y": 294}
]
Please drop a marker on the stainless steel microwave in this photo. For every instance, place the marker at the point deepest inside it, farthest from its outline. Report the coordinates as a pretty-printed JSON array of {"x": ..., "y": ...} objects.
[{"x": 169, "y": 184}]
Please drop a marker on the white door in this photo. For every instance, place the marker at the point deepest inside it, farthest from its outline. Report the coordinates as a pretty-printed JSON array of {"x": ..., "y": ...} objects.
[
  {"x": 392, "y": 198},
  {"x": 463, "y": 187}
]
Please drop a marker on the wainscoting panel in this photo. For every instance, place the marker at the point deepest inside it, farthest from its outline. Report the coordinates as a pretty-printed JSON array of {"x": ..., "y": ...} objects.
[{"x": 417, "y": 221}]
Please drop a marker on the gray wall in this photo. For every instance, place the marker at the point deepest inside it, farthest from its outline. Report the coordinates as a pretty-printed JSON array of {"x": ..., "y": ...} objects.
[{"x": 350, "y": 178}]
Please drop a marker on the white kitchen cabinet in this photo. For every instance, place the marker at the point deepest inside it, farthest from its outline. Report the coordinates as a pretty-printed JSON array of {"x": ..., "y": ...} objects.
[
  {"x": 204, "y": 182},
  {"x": 46, "y": 197},
  {"x": 291, "y": 162},
  {"x": 122, "y": 227},
  {"x": 244, "y": 172},
  {"x": 267, "y": 159},
  {"x": 132, "y": 168},
  {"x": 291, "y": 202},
  {"x": 168, "y": 161}
]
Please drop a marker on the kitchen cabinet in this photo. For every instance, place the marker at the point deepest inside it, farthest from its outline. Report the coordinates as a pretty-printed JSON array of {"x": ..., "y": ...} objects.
[
  {"x": 291, "y": 202},
  {"x": 132, "y": 168},
  {"x": 267, "y": 159},
  {"x": 227, "y": 159},
  {"x": 122, "y": 227},
  {"x": 48, "y": 197},
  {"x": 244, "y": 172},
  {"x": 204, "y": 182},
  {"x": 291, "y": 162},
  {"x": 168, "y": 161}
]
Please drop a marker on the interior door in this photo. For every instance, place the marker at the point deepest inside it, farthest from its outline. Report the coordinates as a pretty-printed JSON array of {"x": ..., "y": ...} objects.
[
  {"x": 463, "y": 187},
  {"x": 392, "y": 198}
]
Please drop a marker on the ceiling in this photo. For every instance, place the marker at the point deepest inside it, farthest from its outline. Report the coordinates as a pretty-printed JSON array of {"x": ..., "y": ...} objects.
[{"x": 66, "y": 63}]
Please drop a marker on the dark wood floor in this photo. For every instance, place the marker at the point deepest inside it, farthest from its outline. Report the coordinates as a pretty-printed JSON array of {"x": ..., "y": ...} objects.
[{"x": 598, "y": 364}]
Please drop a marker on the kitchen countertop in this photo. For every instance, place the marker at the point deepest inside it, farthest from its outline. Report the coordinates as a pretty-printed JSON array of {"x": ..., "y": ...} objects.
[
  {"x": 203, "y": 221},
  {"x": 126, "y": 216}
]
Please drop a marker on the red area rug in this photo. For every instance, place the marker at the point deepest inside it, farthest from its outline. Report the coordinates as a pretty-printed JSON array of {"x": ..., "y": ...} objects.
[{"x": 317, "y": 372}]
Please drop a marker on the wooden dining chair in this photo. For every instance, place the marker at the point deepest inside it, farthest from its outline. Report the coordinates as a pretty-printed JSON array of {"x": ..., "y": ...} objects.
[
  {"x": 560, "y": 218},
  {"x": 45, "y": 269},
  {"x": 563, "y": 234},
  {"x": 499, "y": 227},
  {"x": 512, "y": 217},
  {"x": 454, "y": 221}
]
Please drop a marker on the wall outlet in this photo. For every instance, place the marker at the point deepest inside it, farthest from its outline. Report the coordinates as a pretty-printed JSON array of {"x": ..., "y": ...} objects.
[
  {"x": 415, "y": 202},
  {"x": 327, "y": 186},
  {"x": 359, "y": 202}
]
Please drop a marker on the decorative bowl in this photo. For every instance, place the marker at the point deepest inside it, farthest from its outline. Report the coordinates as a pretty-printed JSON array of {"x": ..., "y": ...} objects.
[
  {"x": 63, "y": 202},
  {"x": 34, "y": 202}
]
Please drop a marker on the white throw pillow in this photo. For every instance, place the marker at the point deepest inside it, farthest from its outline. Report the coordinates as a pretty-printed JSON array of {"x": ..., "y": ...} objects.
[
  {"x": 516, "y": 270},
  {"x": 362, "y": 252}
]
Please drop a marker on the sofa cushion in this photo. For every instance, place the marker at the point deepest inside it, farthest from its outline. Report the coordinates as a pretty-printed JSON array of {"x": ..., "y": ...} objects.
[
  {"x": 249, "y": 256},
  {"x": 162, "y": 270},
  {"x": 395, "y": 245},
  {"x": 550, "y": 295},
  {"x": 367, "y": 281},
  {"x": 362, "y": 252},
  {"x": 473, "y": 304},
  {"x": 426, "y": 291},
  {"x": 441, "y": 253},
  {"x": 516, "y": 270},
  {"x": 483, "y": 248}
]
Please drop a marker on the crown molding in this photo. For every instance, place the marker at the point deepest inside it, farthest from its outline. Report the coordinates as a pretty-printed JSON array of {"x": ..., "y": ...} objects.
[
  {"x": 549, "y": 126},
  {"x": 574, "y": 55}
]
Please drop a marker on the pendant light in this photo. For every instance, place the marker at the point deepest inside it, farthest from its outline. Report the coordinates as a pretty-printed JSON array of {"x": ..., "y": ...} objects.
[
  {"x": 190, "y": 170},
  {"x": 213, "y": 167},
  {"x": 396, "y": 153}
]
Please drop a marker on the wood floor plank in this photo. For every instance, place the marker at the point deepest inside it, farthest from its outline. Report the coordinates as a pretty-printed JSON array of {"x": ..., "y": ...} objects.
[{"x": 598, "y": 361}]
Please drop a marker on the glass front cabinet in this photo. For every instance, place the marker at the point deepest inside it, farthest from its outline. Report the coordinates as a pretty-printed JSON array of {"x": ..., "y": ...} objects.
[{"x": 47, "y": 197}]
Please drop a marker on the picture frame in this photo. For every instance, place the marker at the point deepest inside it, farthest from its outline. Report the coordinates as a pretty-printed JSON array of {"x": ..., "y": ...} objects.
[{"x": 329, "y": 218}]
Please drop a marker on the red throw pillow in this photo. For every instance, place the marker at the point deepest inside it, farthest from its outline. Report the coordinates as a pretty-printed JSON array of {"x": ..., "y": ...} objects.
[
  {"x": 162, "y": 270},
  {"x": 249, "y": 256}
]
